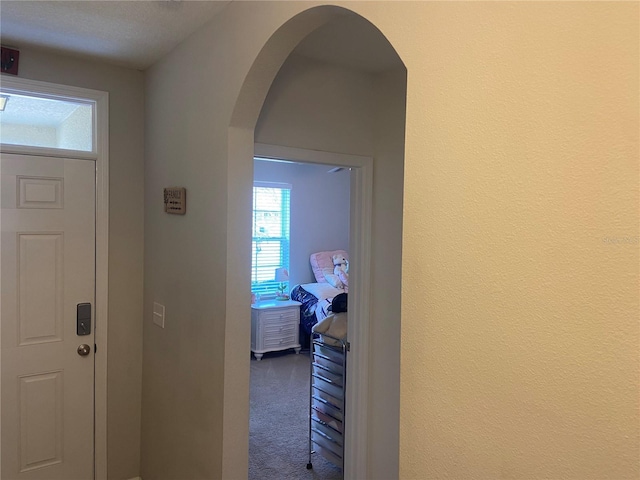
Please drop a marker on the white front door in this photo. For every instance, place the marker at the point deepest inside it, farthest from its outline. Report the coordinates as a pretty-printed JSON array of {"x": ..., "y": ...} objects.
[{"x": 47, "y": 267}]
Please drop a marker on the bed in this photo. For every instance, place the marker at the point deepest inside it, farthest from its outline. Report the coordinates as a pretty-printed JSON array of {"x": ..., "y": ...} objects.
[{"x": 316, "y": 297}]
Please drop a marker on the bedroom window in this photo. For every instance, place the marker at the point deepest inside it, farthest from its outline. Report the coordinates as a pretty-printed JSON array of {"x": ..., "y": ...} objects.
[{"x": 270, "y": 245}]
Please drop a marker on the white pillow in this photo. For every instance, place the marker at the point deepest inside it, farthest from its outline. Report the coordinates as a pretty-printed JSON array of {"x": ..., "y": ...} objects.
[
  {"x": 334, "y": 325},
  {"x": 321, "y": 290}
]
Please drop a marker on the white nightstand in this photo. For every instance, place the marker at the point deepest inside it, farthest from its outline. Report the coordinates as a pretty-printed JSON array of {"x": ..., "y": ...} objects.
[{"x": 274, "y": 326}]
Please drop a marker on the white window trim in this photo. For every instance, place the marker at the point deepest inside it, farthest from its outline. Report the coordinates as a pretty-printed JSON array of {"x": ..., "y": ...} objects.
[{"x": 100, "y": 155}]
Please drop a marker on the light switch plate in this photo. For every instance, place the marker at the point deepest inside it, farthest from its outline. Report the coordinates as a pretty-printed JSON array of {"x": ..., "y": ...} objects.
[{"x": 158, "y": 314}]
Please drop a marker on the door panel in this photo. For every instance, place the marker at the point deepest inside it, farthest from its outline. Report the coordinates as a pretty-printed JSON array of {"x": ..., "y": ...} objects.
[
  {"x": 47, "y": 267},
  {"x": 37, "y": 192},
  {"x": 41, "y": 405},
  {"x": 41, "y": 290}
]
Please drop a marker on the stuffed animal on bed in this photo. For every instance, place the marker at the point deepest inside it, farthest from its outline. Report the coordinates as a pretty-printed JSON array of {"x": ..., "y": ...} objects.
[
  {"x": 341, "y": 268},
  {"x": 334, "y": 281},
  {"x": 334, "y": 324},
  {"x": 323, "y": 267}
]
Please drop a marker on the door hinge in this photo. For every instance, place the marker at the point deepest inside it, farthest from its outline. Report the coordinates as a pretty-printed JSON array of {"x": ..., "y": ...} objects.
[
  {"x": 95, "y": 348},
  {"x": 348, "y": 346}
]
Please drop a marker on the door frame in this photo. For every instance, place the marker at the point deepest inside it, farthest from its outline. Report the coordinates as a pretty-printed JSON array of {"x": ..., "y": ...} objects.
[
  {"x": 100, "y": 156},
  {"x": 358, "y": 329}
]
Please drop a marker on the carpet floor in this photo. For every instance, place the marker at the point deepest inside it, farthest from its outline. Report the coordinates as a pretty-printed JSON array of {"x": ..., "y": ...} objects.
[{"x": 279, "y": 421}]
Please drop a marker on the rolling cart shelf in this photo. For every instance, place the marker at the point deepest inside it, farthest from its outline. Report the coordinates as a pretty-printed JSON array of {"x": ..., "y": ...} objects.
[{"x": 327, "y": 400}]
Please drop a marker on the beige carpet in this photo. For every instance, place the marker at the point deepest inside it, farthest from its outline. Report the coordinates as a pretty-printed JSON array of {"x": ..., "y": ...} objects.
[{"x": 279, "y": 422}]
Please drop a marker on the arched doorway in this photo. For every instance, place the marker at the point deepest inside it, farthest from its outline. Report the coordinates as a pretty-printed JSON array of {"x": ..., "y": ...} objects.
[{"x": 374, "y": 360}]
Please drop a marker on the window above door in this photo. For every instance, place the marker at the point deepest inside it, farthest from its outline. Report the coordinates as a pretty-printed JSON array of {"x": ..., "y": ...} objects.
[{"x": 47, "y": 122}]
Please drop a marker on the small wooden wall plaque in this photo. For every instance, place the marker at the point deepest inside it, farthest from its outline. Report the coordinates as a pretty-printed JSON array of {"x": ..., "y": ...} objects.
[{"x": 175, "y": 200}]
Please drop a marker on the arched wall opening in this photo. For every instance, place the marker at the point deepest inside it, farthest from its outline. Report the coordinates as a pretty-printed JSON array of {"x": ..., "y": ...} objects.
[{"x": 337, "y": 106}]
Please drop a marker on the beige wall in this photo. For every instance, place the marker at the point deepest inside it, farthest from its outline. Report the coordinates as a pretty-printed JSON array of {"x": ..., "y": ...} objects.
[
  {"x": 520, "y": 322},
  {"x": 185, "y": 263},
  {"x": 126, "y": 157},
  {"x": 318, "y": 106},
  {"x": 386, "y": 274},
  {"x": 520, "y": 255}
]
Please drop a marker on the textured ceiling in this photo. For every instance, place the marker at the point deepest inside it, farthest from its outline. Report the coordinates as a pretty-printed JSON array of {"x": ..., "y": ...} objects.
[
  {"x": 137, "y": 33},
  {"x": 132, "y": 33}
]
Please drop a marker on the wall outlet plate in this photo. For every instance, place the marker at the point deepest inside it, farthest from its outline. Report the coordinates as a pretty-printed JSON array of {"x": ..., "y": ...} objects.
[{"x": 158, "y": 314}]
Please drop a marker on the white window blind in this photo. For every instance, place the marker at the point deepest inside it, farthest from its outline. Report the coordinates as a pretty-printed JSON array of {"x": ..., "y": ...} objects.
[{"x": 270, "y": 245}]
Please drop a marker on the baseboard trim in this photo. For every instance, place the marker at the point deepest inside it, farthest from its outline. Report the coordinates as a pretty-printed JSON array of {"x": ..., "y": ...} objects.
[{"x": 136, "y": 478}]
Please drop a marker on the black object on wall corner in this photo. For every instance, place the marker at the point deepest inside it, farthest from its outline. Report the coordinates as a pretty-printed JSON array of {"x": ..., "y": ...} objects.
[{"x": 9, "y": 60}]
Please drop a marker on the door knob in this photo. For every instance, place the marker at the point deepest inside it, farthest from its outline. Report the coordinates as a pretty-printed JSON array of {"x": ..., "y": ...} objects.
[{"x": 84, "y": 350}]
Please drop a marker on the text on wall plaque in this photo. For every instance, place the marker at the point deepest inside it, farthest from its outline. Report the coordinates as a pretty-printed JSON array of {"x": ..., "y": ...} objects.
[{"x": 175, "y": 200}]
